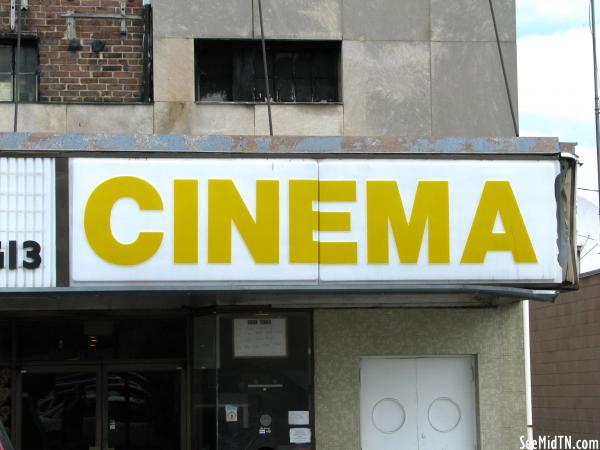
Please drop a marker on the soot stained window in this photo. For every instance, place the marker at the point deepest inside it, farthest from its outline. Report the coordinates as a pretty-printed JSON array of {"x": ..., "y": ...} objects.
[
  {"x": 28, "y": 73},
  {"x": 232, "y": 71}
]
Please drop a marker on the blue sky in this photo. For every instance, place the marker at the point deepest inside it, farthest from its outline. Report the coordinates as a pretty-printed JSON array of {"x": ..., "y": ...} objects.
[
  {"x": 556, "y": 94},
  {"x": 543, "y": 17},
  {"x": 555, "y": 69}
]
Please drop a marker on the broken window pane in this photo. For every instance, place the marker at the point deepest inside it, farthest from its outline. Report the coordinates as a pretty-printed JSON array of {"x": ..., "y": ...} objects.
[
  {"x": 214, "y": 70},
  {"x": 6, "y": 87},
  {"x": 6, "y": 58},
  {"x": 303, "y": 70},
  {"x": 29, "y": 60},
  {"x": 27, "y": 87},
  {"x": 28, "y": 71},
  {"x": 299, "y": 71},
  {"x": 243, "y": 77},
  {"x": 284, "y": 77}
]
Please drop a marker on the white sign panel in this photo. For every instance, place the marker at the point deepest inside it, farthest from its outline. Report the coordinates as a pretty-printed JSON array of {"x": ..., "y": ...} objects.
[
  {"x": 298, "y": 417},
  {"x": 300, "y": 435},
  {"x": 27, "y": 223},
  {"x": 257, "y": 338},
  {"x": 313, "y": 222}
]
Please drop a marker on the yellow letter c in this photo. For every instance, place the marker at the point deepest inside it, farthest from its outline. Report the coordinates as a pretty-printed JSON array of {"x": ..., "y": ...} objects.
[{"x": 97, "y": 221}]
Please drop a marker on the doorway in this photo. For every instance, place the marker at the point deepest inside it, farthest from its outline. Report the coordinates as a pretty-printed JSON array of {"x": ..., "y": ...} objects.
[
  {"x": 101, "y": 407},
  {"x": 418, "y": 403}
]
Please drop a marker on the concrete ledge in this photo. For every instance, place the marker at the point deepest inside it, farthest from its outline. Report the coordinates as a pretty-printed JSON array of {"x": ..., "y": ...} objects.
[
  {"x": 300, "y": 120},
  {"x": 199, "y": 119},
  {"x": 139, "y": 143},
  {"x": 34, "y": 117},
  {"x": 104, "y": 118}
]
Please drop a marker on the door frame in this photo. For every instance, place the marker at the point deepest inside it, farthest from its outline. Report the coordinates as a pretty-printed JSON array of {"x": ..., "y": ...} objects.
[
  {"x": 56, "y": 369},
  {"x": 101, "y": 370},
  {"x": 475, "y": 368}
]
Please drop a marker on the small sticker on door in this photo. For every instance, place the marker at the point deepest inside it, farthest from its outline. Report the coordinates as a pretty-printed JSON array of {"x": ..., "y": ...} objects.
[{"x": 231, "y": 413}]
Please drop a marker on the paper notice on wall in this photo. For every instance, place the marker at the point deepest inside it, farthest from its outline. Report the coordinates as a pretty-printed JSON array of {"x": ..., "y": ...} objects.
[
  {"x": 300, "y": 435},
  {"x": 259, "y": 338},
  {"x": 298, "y": 417}
]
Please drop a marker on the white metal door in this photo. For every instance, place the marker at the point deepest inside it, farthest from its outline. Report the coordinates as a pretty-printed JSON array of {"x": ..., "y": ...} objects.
[
  {"x": 446, "y": 393},
  {"x": 388, "y": 404},
  {"x": 417, "y": 403}
]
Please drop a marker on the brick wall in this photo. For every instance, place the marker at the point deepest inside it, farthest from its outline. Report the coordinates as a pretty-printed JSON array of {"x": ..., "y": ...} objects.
[
  {"x": 565, "y": 355},
  {"x": 113, "y": 75}
]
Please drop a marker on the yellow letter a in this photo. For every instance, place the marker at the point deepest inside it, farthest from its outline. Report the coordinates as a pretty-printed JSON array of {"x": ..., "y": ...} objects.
[{"x": 498, "y": 198}]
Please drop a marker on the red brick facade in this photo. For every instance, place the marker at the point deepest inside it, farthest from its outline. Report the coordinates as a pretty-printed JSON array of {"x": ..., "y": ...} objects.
[
  {"x": 565, "y": 357},
  {"x": 112, "y": 75}
]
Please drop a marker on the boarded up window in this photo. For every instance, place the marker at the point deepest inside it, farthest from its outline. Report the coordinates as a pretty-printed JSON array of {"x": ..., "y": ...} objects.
[{"x": 232, "y": 71}]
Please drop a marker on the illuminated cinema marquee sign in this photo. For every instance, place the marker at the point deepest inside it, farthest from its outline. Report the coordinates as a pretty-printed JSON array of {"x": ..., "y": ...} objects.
[{"x": 264, "y": 221}]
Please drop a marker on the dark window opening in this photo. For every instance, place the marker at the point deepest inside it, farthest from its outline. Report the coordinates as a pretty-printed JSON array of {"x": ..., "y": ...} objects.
[
  {"x": 299, "y": 71},
  {"x": 76, "y": 340},
  {"x": 28, "y": 79}
]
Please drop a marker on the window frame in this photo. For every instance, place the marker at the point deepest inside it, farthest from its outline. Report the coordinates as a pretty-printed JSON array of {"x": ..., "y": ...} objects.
[
  {"x": 26, "y": 42},
  {"x": 274, "y": 47}
]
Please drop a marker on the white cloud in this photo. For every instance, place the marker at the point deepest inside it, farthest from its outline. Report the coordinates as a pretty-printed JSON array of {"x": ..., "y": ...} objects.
[
  {"x": 587, "y": 175},
  {"x": 556, "y": 75},
  {"x": 530, "y": 11}
]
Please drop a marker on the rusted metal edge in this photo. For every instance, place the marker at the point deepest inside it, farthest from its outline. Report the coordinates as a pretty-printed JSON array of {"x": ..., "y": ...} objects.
[
  {"x": 261, "y": 145},
  {"x": 333, "y": 289}
]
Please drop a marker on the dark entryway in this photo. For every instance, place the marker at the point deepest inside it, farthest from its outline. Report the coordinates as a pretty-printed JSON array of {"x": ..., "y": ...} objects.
[
  {"x": 188, "y": 380},
  {"x": 101, "y": 407},
  {"x": 100, "y": 384}
]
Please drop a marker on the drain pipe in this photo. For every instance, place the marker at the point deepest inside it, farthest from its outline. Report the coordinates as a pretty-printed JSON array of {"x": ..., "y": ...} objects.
[
  {"x": 527, "y": 355},
  {"x": 264, "y": 54},
  {"x": 596, "y": 99},
  {"x": 17, "y": 70}
]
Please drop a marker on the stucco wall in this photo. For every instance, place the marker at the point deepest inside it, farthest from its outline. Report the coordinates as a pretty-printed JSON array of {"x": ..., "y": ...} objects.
[{"x": 494, "y": 335}]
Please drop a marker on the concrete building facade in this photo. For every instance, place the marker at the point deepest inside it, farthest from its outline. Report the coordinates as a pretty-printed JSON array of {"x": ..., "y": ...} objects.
[
  {"x": 409, "y": 68},
  {"x": 422, "y": 80}
]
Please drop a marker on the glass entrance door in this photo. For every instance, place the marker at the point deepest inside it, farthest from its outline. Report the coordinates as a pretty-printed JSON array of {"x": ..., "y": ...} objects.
[
  {"x": 143, "y": 409},
  {"x": 101, "y": 407},
  {"x": 59, "y": 409}
]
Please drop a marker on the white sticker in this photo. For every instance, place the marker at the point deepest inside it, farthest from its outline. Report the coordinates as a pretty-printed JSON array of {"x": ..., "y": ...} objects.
[
  {"x": 231, "y": 413},
  {"x": 298, "y": 417},
  {"x": 300, "y": 435}
]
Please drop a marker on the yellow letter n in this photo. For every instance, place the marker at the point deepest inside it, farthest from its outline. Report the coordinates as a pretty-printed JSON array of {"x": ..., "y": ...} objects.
[{"x": 226, "y": 207}]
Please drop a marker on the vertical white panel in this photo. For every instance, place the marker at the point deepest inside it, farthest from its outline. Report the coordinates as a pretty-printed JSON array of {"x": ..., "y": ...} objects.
[
  {"x": 388, "y": 404},
  {"x": 27, "y": 213},
  {"x": 446, "y": 391}
]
